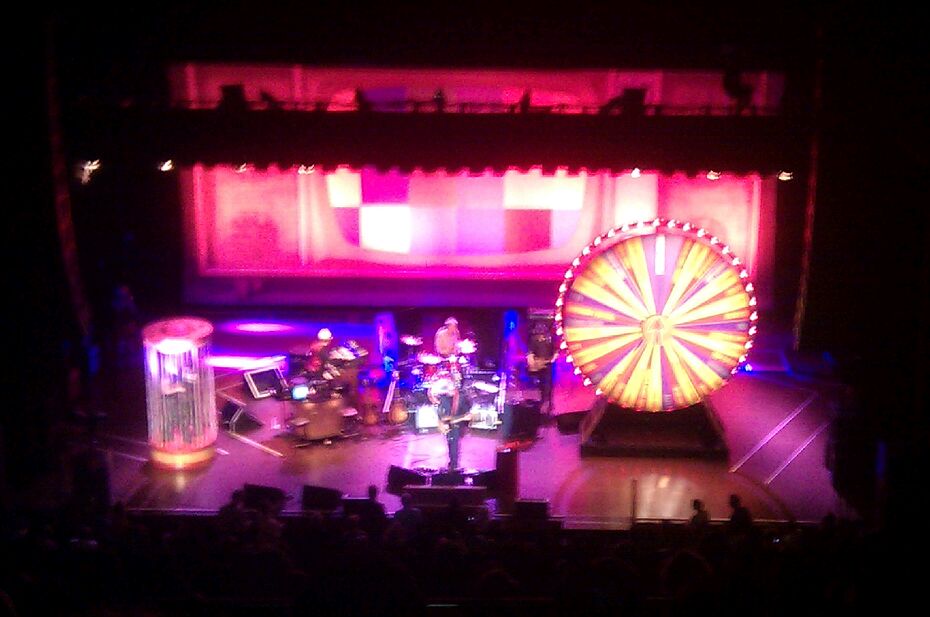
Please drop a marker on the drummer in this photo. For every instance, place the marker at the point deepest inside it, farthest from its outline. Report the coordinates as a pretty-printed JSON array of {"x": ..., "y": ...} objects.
[
  {"x": 320, "y": 351},
  {"x": 447, "y": 339}
]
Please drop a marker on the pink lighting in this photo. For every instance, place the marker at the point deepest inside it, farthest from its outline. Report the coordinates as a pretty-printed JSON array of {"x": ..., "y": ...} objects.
[
  {"x": 172, "y": 346},
  {"x": 199, "y": 85},
  {"x": 244, "y": 363},
  {"x": 385, "y": 228},
  {"x": 263, "y": 327}
]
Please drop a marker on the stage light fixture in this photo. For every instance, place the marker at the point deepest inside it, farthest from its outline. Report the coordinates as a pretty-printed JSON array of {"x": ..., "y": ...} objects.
[
  {"x": 713, "y": 175},
  {"x": 300, "y": 392},
  {"x": 635, "y": 173},
  {"x": 785, "y": 176},
  {"x": 87, "y": 169},
  {"x": 306, "y": 170},
  {"x": 244, "y": 167},
  {"x": 166, "y": 165}
]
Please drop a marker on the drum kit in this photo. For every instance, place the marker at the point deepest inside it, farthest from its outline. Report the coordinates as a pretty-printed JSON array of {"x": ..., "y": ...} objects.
[
  {"x": 426, "y": 375},
  {"x": 335, "y": 374}
]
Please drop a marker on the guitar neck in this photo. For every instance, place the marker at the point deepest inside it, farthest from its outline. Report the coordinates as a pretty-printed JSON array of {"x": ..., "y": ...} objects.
[
  {"x": 389, "y": 397},
  {"x": 457, "y": 419}
]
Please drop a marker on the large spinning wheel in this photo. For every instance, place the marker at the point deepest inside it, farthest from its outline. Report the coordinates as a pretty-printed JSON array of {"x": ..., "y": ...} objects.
[{"x": 656, "y": 315}]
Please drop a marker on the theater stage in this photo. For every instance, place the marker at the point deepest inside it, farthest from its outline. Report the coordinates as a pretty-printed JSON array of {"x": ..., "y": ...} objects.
[{"x": 776, "y": 426}]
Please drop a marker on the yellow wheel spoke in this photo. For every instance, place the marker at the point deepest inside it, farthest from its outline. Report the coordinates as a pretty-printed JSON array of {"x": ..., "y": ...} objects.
[
  {"x": 688, "y": 394},
  {"x": 710, "y": 290},
  {"x": 603, "y": 270},
  {"x": 733, "y": 303},
  {"x": 586, "y": 286},
  {"x": 637, "y": 261},
  {"x": 728, "y": 347},
  {"x": 599, "y": 350}
]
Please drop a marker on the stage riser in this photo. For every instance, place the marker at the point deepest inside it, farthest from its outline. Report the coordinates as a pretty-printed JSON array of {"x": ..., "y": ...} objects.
[{"x": 693, "y": 432}]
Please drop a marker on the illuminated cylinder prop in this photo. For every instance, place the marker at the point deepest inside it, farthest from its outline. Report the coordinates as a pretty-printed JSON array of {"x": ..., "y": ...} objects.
[
  {"x": 179, "y": 391},
  {"x": 656, "y": 315}
]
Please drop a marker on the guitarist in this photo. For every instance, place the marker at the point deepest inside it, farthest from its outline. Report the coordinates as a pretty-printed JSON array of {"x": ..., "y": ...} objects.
[
  {"x": 446, "y": 392},
  {"x": 540, "y": 361}
]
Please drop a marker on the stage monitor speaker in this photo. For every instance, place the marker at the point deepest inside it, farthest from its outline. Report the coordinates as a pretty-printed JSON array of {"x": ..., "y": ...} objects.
[
  {"x": 522, "y": 420},
  {"x": 507, "y": 478},
  {"x": 320, "y": 498},
  {"x": 256, "y": 496},
  {"x": 357, "y": 506},
  {"x": 531, "y": 509},
  {"x": 443, "y": 496},
  {"x": 487, "y": 479},
  {"x": 399, "y": 477},
  {"x": 236, "y": 419}
]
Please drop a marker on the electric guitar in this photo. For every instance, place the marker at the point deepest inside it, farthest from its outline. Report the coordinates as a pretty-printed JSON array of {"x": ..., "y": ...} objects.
[
  {"x": 446, "y": 424},
  {"x": 389, "y": 397},
  {"x": 394, "y": 408},
  {"x": 535, "y": 363}
]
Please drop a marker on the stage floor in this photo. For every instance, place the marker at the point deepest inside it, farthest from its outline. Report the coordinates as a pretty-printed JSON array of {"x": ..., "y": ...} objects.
[{"x": 776, "y": 426}]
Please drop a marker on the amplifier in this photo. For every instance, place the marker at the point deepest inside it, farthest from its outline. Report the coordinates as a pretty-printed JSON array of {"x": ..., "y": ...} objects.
[{"x": 427, "y": 416}]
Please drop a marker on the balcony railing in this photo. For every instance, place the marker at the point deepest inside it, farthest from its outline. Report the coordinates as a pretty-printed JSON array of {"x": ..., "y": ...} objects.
[{"x": 413, "y": 106}]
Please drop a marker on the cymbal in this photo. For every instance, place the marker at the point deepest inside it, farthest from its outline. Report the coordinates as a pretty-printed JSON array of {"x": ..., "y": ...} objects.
[
  {"x": 428, "y": 358},
  {"x": 411, "y": 341},
  {"x": 486, "y": 387},
  {"x": 467, "y": 346}
]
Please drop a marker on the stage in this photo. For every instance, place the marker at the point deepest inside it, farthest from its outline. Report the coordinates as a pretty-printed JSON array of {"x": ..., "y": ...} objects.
[{"x": 775, "y": 425}]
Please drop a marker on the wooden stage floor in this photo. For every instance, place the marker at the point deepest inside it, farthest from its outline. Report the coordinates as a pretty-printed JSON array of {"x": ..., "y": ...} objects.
[{"x": 776, "y": 427}]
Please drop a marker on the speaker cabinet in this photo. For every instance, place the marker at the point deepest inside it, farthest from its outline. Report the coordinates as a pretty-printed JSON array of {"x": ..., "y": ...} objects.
[
  {"x": 399, "y": 477},
  {"x": 443, "y": 496},
  {"x": 531, "y": 509},
  {"x": 320, "y": 498},
  {"x": 522, "y": 420},
  {"x": 257, "y": 496},
  {"x": 449, "y": 478},
  {"x": 487, "y": 479}
]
